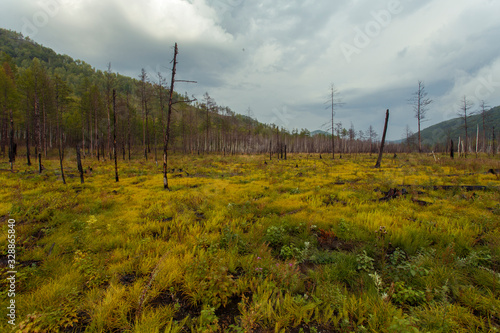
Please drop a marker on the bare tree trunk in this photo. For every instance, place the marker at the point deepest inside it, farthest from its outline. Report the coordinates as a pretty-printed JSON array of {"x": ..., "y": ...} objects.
[
  {"x": 38, "y": 134},
  {"x": 90, "y": 134},
  {"x": 493, "y": 140},
  {"x": 114, "y": 134},
  {"x": 451, "y": 149},
  {"x": 270, "y": 150},
  {"x": 12, "y": 145},
  {"x": 108, "y": 106},
  {"x": 94, "y": 105},
  {"x": 154, "y": 140},
  {"x": 123, "y": 139},
  {"x": 3, "y": 132},
  {"x": 477, "y": 138},
  {"x": 44, "y": 133},
  {"x": 128, "y": 125},
  {"x": 28, "y": 160},
  {"x": 79, "y": 163},
  {"x": 58, "y": 135},
  {"x": 167, "y": 132},
  {"x": 148, "y": 147},
  {"x": 377, "y": 165},
  {"x": 333, "y": 134}
]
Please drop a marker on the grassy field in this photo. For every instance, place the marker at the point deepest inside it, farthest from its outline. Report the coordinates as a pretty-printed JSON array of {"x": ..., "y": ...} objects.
[{"x": 245, "y": 244}]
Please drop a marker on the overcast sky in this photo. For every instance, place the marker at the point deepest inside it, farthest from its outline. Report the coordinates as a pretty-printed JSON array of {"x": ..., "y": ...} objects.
[{"x": 280, "y": 57}]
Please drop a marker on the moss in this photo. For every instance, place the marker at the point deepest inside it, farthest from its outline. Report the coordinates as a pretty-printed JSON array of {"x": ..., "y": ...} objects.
[{"x": 256, "y": 228}]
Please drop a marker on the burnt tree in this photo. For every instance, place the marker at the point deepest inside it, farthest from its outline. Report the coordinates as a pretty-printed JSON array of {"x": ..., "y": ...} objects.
[
  {"x": 114, "y": 134},
  {"x": 377, "y": 165},
  {"x": 169, "y": 113}
]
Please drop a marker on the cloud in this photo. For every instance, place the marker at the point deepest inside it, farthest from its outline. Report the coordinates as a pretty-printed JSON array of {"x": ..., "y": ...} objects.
[{"x": 272, "y": 54}]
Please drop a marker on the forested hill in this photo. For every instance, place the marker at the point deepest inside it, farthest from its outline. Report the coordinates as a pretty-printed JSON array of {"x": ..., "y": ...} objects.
[
  {"x": 23, "y": 50},
  {"x": 50, "y": 91},
  {"x": 454, "y": 128}
]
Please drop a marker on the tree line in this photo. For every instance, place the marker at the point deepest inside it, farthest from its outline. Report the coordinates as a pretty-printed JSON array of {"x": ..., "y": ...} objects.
[
  {"x": 45, "y": 108},
  {"x": 54, "y": 102}
]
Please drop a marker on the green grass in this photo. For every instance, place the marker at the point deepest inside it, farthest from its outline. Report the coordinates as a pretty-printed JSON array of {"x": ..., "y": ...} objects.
[{"x": 238, "y": 245}]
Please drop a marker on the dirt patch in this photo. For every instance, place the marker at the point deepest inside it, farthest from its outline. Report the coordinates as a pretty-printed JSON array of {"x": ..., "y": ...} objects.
[
  {"x": 327, "y": 240},
  {"x": 306, "y": 266},
  {"x": 83, "y": 320},
  {"x": 227, "y": 314},
  {"x": 311, "y": 327},
  {"x": 3, "y": 260},
  {"x": 331, "y": 200},
  {"x": 183, "y": 306},
  {"x": 127, "y": 279},
  {"x": 29, "y": 263},
  {"x": 394, "y": 193}
]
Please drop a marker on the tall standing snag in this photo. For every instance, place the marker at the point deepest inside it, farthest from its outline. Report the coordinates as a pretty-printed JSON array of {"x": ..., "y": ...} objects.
[
  {"x": 169, "y": 112},
  {"x": 493, "y": 140},
  {"x": 377, "y": 165},
  {"x": 333, "y": 104},
  {"x": 420, "y": 107},
  {"x": 170, "y": 102},
  {"x": 12, "y": 144},
  {"x": 466, "y": 106},
  {"x": 114, "y": 134},
  {"x": 79, "y": 162}
]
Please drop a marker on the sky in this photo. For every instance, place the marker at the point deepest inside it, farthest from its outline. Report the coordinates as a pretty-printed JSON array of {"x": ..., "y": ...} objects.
[{"x": 276, "y": 60}]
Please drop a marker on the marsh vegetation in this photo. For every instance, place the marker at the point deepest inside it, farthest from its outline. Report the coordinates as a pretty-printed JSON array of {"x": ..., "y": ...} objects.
[{"x": 248, "y": 244}]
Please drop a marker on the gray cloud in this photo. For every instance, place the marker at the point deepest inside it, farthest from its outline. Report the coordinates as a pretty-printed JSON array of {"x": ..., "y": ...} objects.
[{"x": 280, "y": 57}]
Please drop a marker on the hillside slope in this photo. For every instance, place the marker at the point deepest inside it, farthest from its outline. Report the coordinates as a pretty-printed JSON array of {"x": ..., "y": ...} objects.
[{"x": 454, "y": 128}]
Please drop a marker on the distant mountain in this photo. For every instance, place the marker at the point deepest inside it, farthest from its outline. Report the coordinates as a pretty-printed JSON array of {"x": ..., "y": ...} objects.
[
  {"x": 313, "y": 133},
  {"x": 454, "y": 128}
]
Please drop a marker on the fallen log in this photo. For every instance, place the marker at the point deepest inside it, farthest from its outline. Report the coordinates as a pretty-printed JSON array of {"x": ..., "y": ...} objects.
[
  {"x": 454, "y": 187},
  {"x": 394, "y": 193}
]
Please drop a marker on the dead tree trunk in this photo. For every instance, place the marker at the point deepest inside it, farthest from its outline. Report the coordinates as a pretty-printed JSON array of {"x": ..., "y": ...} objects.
[
  {"x": 61, "y": 157},
  {"x": 59, "y": 135},
  {"x": 451, "y": 149},
  {"x": 169, "y": 112},
  {"x": 79, "y": 163},
  {"x": 28, "y": 160},
  {"x": 109, "y": 84},
  {"x": 493, "y": 141},
  {"x": 128, "y": 125},
  {"x": 270, "y": 150},
  {"x": 12, "y": 145},
  {"x": 377, "y": 165},
  {"x": 114, "y": 134},
  {"x": 38, "y": 134}
]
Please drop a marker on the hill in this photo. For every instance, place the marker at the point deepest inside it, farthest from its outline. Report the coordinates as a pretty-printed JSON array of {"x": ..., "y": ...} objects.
[
  {"x": 86, "y": 110},
  {"x": 313, "y": 133},
  {"x": 441, "y": 133}
]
